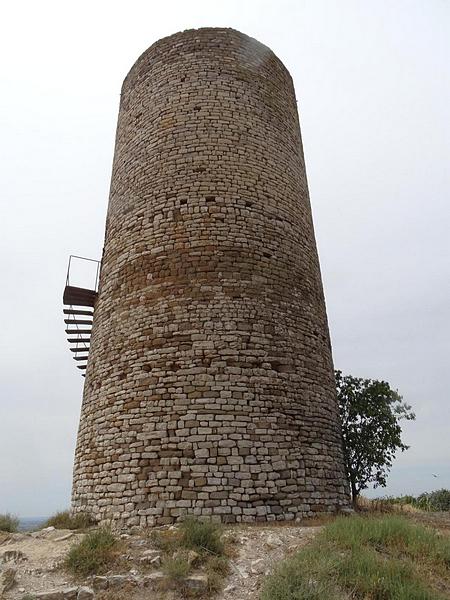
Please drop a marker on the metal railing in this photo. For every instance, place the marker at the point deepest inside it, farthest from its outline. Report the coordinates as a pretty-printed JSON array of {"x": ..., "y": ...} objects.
[{"x": 97, "y": 272}]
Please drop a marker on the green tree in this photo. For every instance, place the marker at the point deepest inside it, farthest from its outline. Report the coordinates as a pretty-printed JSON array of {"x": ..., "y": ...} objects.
[{"x": 370, "y": 412}]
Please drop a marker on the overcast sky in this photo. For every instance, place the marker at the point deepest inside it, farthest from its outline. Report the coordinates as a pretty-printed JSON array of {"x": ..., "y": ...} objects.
[{"x": 372, "y": 82}]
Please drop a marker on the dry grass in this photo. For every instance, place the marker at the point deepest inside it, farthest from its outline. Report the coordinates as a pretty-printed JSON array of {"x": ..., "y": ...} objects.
[
  {"x": 66, "y": 520},
  {"x": 9, "y": 523},
  {"x": 95, "y": 554},
  {"x": 196, "y": 544}
]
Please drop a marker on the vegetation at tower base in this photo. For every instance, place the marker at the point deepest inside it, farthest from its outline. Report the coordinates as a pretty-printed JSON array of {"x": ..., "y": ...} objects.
[
  {"x": 66, "y": 520},
  {"x": 366, "y": 558},
  {"x": 370, "y": 412},
  {"x": 94, "y": 554}
]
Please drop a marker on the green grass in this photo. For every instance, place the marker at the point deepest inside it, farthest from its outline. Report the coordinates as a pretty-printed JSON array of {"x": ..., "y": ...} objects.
[
  {"x": 95, "y": 554},
  {"x": 65, "y": 520},
  {"x": 202, "y": 536},
  {"x": 365, "y": 558},
  {"x": 9, "y": 523}
]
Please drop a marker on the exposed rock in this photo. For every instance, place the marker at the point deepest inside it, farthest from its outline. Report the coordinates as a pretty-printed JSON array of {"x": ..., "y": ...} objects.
[
  {"x": 153, "y": 579},
  {"x": 99, "y": 583},
  {"x": 62, "y": 538},
  {"x": 151, "y": 557},
  {"x": 273, "y": 541},
  {"x": 197, "y": 583},
  {"x": 257, "y": 566},
  {"x": 85, "y": 593},
  {"x": 347, "y": 510},
  {"x": 192, "y": 557},
  {"x": 49, "y": 595},
  {"x": 118, "y": 581},
  {"x": 150, "y": 553},
  {"x": 70, "y": 593},
  {"x": 12, "y": 556},
  {"x": 7, "y": 580}
]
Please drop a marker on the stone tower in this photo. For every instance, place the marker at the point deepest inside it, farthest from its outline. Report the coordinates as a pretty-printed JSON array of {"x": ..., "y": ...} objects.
[{"x": 209, "y": 387}]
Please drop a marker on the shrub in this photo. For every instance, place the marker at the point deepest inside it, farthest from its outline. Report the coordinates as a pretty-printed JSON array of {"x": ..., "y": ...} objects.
[
  {"x": 9, "y": 523},
  {"x": 202, "y": 536},
  {"x": 166, "y": 540},
  {"x": 437, "y": 500},
  {"x": 216, "y": 569},
  {"x": 65, "y": 520},
  {"x": 176, "y": 568},
  {"x": 94, "y": 554}
]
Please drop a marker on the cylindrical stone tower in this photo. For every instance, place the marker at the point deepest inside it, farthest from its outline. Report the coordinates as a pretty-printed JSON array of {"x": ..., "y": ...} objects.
[{"x": 209, "y": 388}]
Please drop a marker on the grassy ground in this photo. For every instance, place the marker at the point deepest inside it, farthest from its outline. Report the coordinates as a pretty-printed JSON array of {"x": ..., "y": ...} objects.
[
  {"x": 195, "y": 545},
  {"x": 384, "y": 557}
]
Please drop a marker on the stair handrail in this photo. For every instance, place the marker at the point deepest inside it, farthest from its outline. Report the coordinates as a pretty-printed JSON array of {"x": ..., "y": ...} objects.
[{"x": 83, "y": 258}]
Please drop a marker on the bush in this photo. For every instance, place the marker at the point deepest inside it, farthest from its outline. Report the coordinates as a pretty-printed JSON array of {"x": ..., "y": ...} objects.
[
  {"x": 176, "y": 568},
  {"x": 93, "y": 555},
  {"x": 202, "y": 536},
  {"x": 9, "y": 523},
  {"x": 65, "y": 520},
  {"x": 365, "y": 557},
  {"x": 439, "y": 500}
]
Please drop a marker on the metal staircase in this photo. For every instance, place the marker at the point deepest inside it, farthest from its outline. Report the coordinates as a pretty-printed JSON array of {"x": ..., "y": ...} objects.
[{"x": 79, "y": 304}]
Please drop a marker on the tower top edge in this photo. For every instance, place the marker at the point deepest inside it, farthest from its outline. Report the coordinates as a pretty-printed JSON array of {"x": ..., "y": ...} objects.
[{"x": 203, "y": 36}]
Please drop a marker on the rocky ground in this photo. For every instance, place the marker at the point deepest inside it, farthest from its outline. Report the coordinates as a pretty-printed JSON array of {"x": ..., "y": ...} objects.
[{"x": 30, "y": 564}]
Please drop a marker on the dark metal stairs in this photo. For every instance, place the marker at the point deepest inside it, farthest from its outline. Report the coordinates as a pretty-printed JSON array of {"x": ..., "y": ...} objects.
[{"x": 79, "y": 304}]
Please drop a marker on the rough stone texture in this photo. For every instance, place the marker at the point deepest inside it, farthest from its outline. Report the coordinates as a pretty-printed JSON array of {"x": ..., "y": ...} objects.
[{"x": 209, "y": 388}]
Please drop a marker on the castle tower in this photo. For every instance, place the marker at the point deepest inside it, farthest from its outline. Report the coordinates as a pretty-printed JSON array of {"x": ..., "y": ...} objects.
[{"x": 209, "y": 388}]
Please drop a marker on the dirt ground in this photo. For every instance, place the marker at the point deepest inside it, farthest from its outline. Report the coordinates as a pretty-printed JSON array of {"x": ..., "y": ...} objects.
[
  {"x": 37, "y": 559},
  {"x": 255, "y": 551}
]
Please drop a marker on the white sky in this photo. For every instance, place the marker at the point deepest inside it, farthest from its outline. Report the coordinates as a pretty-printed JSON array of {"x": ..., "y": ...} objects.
[{"x": 372, "y": 81}]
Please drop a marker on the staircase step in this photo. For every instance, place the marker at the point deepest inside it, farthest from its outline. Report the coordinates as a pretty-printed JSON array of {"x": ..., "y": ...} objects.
[
  {"x": 79, "y": 296},
  {"x": 74, "y": 311},
  {"x": 79, "y": 340},
  {"x": 80, "y": 357},
  {"x": 83, "y": 367},
  {"x": 75, "y": 331},
  {"x": 79, "y": 349},
  {"x": 77, "y": 322}
]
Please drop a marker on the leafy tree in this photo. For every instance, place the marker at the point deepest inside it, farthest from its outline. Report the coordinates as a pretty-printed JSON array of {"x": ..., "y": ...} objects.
[{"x": 370, "y": 412}]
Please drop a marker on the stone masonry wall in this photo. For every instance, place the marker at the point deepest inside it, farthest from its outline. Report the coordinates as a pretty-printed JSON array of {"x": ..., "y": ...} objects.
[{"x": 209, "y": 388}]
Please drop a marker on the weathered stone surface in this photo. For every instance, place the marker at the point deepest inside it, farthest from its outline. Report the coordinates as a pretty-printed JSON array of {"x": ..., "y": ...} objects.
[
  {"x": 153, "y": 579},
  {"x": 99, "y": 582},
  {"x": 12, "y": 556},
  {"x": 49, "y": 595},
  {"x": 209, "y": 388},
  {"x": 70, "y": 593},
  {"x": 198, "y": 583},
  {"x": 85, "y": 593},
  {"x": 63, "y": 538},
  {"x": 119, "y": 581},
  {"x": 7, "y": 580}
]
